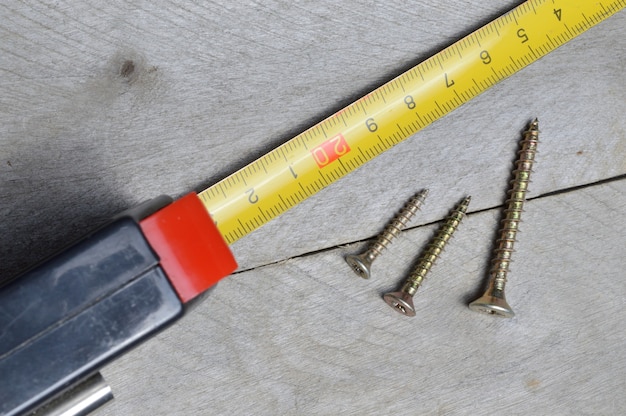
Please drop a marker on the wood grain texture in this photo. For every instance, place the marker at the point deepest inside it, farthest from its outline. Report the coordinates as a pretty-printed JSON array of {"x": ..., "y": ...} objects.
[
  {"x": 106, "y": 104},
  {"x": 307, "y": 336}
]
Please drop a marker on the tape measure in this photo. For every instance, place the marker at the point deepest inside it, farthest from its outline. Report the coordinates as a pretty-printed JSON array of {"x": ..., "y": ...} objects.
[{"x": 287, "y": 175}]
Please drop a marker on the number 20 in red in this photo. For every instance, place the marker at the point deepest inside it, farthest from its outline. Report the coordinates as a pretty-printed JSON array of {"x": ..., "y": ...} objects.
[{"x": 330, "y": 150}]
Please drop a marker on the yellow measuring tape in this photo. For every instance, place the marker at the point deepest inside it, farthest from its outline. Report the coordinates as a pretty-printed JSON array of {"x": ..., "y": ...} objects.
[{"x": 284, "y": 177}]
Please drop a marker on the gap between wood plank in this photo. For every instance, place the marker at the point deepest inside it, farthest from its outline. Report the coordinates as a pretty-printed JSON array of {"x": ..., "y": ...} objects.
[{"x": 545, "y": 195}]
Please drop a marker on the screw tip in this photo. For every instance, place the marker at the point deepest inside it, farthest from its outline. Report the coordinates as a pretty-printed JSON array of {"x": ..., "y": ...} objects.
[
  {"x": 464, "y": 204},
  {"x": 534, "y": 126},
  {"x": 420, "y": 197},
  {"x": 401, "y": 302}
]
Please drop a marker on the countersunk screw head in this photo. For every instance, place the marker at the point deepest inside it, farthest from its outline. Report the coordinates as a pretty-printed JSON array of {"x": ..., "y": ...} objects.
[
  {"x": 401, "y": 302},
  {"x": 492, "y": 305},
  {"x": 360, "y": 264}
]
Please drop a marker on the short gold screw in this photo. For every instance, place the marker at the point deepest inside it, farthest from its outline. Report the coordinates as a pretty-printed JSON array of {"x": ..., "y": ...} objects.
[
  {"x": 493, "y": 301},
  {"x": 362, "y": 263},
  {"x": 402, "y": 301}
]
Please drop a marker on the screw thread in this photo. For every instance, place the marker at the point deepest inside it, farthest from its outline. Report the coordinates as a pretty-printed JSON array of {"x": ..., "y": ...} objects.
[
  {"x": 395, "y": 226},
  {"x": 435, "y": 247},
  {"x": 514, "y": 208}
]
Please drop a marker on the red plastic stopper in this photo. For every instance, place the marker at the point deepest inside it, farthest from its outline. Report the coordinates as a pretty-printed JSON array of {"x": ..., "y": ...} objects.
[{"x": 193, "y": 253}]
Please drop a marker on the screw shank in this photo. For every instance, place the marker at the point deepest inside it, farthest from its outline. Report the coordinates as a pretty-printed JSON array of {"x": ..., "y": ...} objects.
[
  {"x": 435, "y": 247},
  {"x": 361, "y": 264},
  {"x": 514, "y": 208},
  {"x": 399, "y": 222}
]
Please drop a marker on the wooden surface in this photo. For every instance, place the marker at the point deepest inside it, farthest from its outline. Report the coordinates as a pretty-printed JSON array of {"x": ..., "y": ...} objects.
[{"x": 107, "y": 104}]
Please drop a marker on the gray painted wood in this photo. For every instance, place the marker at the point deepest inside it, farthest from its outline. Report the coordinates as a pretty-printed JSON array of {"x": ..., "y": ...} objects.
[
  {"x": 307, "y": 336},
  {"x": 217, "y": 84}
]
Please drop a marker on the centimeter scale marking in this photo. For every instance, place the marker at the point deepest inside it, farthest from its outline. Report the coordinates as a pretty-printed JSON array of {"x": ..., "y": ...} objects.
[{"x": 287, "y": 175}]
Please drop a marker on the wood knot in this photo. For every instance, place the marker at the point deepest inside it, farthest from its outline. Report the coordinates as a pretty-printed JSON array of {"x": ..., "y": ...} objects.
[{"x": 127, "y": 69}]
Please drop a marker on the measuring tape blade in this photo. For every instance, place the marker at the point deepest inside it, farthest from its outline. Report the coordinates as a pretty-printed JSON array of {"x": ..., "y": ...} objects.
[{"x": 301, "y": 167}]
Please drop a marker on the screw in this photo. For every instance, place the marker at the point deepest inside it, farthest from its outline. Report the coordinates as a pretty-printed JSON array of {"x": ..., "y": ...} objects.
[
  {"x": 362, "y": 263},
  {"x": 493, "y": 301},
  {"x": 402, "y": 301}
]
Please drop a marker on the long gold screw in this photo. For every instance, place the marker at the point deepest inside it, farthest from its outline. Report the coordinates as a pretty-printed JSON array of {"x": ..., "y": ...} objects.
[
  {"x": 493, "y": 301},
  {"x": 361, "y": 264},
  {"x": 402, "y": 301}
]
